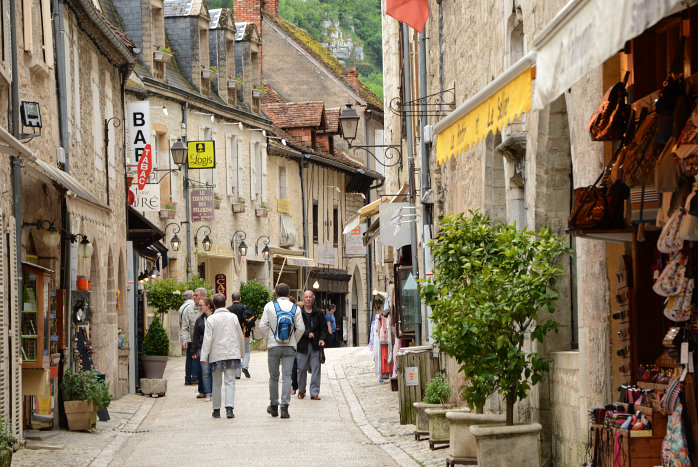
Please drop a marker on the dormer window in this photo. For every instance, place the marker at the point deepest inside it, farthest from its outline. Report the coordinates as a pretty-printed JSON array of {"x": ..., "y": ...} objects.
[
  {"x": 208, "y": 73},
  {"x": 161, "y": 53}
]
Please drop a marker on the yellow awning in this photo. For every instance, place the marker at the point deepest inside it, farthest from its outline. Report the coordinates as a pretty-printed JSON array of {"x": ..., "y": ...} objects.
[
  {"x": 494, "y": 106},
  {"x": 371, "y": 209}
]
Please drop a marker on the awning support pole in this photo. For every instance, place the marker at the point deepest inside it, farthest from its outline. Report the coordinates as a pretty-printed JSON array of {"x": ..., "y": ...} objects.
[{"x": 281, "y": 271}]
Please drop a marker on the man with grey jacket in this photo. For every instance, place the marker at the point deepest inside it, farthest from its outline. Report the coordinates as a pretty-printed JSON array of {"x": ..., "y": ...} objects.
[
  {"x": 283, "y": 353},
  {"x": 189, "y": 316}
]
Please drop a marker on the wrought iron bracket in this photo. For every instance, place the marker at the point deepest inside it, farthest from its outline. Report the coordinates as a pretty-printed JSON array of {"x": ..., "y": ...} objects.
[
  {"x": 438, "y": 104},
  {"x": 391, "y": 157}
]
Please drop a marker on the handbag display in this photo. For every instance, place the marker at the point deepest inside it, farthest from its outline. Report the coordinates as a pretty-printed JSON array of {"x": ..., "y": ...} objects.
[
  {"x": 611, "y": 118},
  {"x": 636, "y": 161},
  {"x": 669, "y": 240},
  {"x": 666, "y": 171},
  {"x": 589, "y": 208},
  {"x": 678, "y": 307},
  {"x": 671, "y": 278}
]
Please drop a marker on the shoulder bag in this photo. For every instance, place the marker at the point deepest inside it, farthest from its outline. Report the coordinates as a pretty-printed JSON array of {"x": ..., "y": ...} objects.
[{"x": 610, "y": 120}]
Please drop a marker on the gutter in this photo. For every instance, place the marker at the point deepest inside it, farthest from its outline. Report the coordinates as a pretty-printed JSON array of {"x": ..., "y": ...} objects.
[{"x": 337, "y": 165}]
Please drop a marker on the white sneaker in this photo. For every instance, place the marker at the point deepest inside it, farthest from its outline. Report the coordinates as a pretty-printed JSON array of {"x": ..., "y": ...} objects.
[{"x": 208, "y": 398}]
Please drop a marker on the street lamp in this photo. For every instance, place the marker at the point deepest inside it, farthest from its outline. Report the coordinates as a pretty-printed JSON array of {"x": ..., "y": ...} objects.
[
  {"x": 51, "y": 237},
  {"x": 154, "y": 273},
  {"x": 175, "y": 242},
  {"x": 348, "y": 126},
  {"x": 179, "y": 152},
  {"x": 266, "y": 252},
  {"x": 349, "y": 123},
  {"x": 85, "y": 248},
  {"x": 316, "y": 285},
  {"x": 242, "y": 246},
  {"x": 207, "y": 242}
]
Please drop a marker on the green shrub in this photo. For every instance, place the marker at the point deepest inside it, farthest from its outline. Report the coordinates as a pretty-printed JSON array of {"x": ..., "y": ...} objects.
[
  {"x": 7, "y": 441},
  {"x": 255, "y": 295},
  {"x": 164, "y": 294},
  {"x": 438, "y": 391},
  {"x": 156, "y": 341},
  {"x": 85, "y": 386},
  {"x": 195, "y": 283}
]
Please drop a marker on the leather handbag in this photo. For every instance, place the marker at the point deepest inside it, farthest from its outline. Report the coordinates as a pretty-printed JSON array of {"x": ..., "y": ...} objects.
[
  {"x": 636, "y": 161},
  {"x": 611, "y": 118},
  {"x": 671, "y": 278},
  {"x": 322, "y": 354},
  {"x": 590, "y": 207}
]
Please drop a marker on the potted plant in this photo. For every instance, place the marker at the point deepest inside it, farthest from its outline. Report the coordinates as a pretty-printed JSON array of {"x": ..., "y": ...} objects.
[
  {"x": 83, "y": 393},
  {"x": 164, "y": 54},
  {"x": 262, "y": 210},
  {"x": 168, "y": 211},
  {"x": 210, "y": 73},
  {"x": 7, "y": 443},
  {"x": 235, "y": 84},
  {"x": 239, "y": 204},
  {"x": 156, "y": 349},
  {"x": 493, "y": 289},
  {"x": 438, "y": 394},
  {"x": 217, "y": 198},
  {"x": 255, "y": 295},
  {"x": 257, "y": 92}
]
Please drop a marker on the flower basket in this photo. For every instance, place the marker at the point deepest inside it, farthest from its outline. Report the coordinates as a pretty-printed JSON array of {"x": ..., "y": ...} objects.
[
  {"x": 162, "y": 57},
  {"x": 217, "y": 203},
  {"x": 238, "y": 207},
  {"x": 234, "y": 85},
  {"x": 206, "y": 74},
  {"x": 261, "y": 212},
  {"x": 256, "y": 93},
  {"x": 167, "y": 213}
]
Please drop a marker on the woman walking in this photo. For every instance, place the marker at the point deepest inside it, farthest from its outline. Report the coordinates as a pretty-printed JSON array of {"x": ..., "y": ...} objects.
[
  {"x": 205, "y": 379},
  {"x": 224, "y": 346}
]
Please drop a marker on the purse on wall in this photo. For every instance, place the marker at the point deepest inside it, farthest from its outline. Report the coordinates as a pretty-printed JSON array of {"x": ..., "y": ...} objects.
[
  {"x": 590, "y": 207},
  {"x": 678, "y": 307},
  {"x": 636, "y": 161},
  {"x": 611, "y": 118},
  {"x": 670, "y": 240},
  {"x": 671, "y": 278}
]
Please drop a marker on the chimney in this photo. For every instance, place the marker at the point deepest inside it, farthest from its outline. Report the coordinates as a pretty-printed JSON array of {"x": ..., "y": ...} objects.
[
  {"x": 351, "y": 74},
  {"x": 272, "y": 6},
  {"x": 249, "y": 11}
]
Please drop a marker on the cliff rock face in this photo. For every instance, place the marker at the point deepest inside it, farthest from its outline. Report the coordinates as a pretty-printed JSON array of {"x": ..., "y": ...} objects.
[{"x": 340, "y": 44}]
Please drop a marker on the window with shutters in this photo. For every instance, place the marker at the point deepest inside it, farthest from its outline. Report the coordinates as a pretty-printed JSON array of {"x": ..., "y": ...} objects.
[
  {"x": 231, "y": 166},
  {"x": 38, "y": 36},
  {"x": 259, "y": 172},
  {"x": 315, "y": 221},
  {"x": 5, "y": 50},
  {"x": 263, "y": 163},
  {"x": 253, "y": 171},
  {"x": 283, "y": 180}
]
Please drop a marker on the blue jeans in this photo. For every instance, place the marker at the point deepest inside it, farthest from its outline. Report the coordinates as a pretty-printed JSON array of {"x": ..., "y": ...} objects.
[
  {"x": 192, "y": 367},
  {"x": 205, "y": 376}
]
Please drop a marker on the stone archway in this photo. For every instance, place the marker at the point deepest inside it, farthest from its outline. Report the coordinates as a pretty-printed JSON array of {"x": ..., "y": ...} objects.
[{"x": 359, "y": 316}]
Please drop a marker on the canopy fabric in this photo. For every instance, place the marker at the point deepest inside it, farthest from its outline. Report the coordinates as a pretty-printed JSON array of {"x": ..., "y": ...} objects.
[
  {"x": 140, "y": 230},
  {"x": 296, "y": 260},
  {"x": 65, "y": 181},
  {"x": 372, "y": 232},
  {"x": 371, "y": 209},
  {"x": 493, "y": 107},
  {"x": 583, "y": 35},
  {"x": 351, "y": 224}
]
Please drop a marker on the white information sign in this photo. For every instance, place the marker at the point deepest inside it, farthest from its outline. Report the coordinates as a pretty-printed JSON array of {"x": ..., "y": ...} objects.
[
  {"x": 412, "y": 376},
  {"x": 354, "y": 241},
  {"x": 139, "y": 130},
  {"x": 147, "y": 199},
  {"x": 326, "y": 254}
]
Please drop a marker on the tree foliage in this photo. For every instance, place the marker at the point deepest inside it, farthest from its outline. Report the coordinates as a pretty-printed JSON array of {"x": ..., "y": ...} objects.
[
  {"x": 164, "y": 294},
  {"x": 437, "y": 391},
  {"x": 255, "y": 295},
  {"x": 156, "y": 341},
  {"x": 493, "y": 286}
]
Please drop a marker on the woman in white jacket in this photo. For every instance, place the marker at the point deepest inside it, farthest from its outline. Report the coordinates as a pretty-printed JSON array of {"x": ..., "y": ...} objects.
[{"x": 224, "y": 346}]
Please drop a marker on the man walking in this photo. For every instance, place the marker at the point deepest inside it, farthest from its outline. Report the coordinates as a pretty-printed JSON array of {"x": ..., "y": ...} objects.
[
  {"x": 308, "y": 356},
  {"x": 222, "y": 350},
  {"x": 331, "y": 340},
  {"x": 188, "y": 314},
  {"x": 247, "y": 320},
  {"x": 281, "y": 326}
]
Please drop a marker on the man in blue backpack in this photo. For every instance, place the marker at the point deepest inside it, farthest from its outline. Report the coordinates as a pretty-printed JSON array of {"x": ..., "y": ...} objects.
[{"x": 282, "y": 327}]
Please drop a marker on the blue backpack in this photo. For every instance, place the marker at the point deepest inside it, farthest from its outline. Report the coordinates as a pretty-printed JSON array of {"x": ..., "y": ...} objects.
[{"x": 285, "y": 323}]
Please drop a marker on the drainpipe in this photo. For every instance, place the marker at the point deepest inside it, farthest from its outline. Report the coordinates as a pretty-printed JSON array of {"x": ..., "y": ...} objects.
[
  {"x": 410, "y": 166},
  {"x": 369, "y": 250},
  {"x": 426, "y": 211},
  {"x": 301, "y": 163},
  {"x": 185, "y": 110}
]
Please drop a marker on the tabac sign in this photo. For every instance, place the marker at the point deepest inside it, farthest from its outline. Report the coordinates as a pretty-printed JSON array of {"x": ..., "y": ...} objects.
[{"x": 202, "y": 155}]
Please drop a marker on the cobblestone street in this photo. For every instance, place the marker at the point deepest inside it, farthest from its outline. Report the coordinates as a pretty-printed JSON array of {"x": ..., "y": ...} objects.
[{"x": 355, "y": 423}]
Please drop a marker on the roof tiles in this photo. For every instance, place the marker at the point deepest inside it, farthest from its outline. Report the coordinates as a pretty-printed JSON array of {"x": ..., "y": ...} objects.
[{"x": 297, "y": 114}]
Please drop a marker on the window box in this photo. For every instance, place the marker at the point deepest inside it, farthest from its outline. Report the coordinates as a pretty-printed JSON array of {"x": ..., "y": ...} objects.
[
  {"x": 256, "y": 93},
  {"x": 162, "y": 57},
  {"x": 167, "y": 213},
  {"x": 207, "y": 74},
  {"x": 261, "y": 212},
  {"x": 234, "y": 85},
  {"x": 238, "y": 207}
]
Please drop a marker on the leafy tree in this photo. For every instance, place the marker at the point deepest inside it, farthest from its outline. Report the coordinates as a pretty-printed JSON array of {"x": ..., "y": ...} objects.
[
  {"x": 164, "y": 294},
  {"x": 493, "y": 286},
  {"x": 255, "y": 295},
  {"x": 156, "y": 341},
  {"x": 195, "y": 283}
]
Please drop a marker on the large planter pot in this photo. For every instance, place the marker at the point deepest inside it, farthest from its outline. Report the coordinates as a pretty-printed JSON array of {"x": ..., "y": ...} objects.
[
  {"x": 501, "y": 445},
  {"x": 81, "y": 415},
  {"x": 5, "y": 457},
  {"x": 217, "y": 203},
  {"x": 154, "y": 366},
  {"x": 162, "y": 57},
  {"x": 462, "y": 445},
  {"x": 439, "y": 430},
  {"x": 422, "y": 419}
]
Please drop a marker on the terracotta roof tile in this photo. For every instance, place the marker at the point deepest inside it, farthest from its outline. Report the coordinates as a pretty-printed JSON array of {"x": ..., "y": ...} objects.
[
  {"x": 332, "y": 117},
  {"x": 296, "y": 114}
]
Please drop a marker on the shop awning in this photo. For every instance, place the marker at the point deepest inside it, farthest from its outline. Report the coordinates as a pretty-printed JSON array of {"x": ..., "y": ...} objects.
[
  {"x": 372, "y": 232},
  {"x": 372, "y": 208},
  {"x": 66, "y": 181},
  {"x": 296, "y": 260},
  {"x": 141, "y": 231},
  {"x": 494, "y": 106},
  {"x": 583, "y": 35}
]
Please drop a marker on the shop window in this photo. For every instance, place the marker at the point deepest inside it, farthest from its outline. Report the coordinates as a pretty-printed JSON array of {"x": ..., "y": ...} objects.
[
  {"x": 38, "y": 36},
  {"x": 315, "y": 221}
]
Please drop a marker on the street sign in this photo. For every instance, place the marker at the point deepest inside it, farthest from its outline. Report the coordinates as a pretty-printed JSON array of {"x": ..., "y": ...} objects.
[
  {"x": 138, "y": 114},
  {"x": 221, "y": 284},
  {"x": 201, "y": 205},
  {"x": 354, "y": 241},
  {"x": 283, "y": 206},
  {"x": 202, "y": 155},
  {"x": 147, "y": 199},
  {"x": 145, "y": 166},
  {"x": 326, "y": 254}
]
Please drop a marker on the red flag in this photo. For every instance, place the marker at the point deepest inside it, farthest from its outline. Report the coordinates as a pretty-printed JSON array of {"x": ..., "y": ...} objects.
[{"x": 413, "y": 13}]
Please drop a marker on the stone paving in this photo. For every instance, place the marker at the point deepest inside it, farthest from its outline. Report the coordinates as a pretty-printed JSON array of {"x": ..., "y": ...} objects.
[{"x": 355, "y": 423}]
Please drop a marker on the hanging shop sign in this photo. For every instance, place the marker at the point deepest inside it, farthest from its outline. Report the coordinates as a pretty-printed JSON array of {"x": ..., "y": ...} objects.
[
  {"x": 493, "y": 107},
  {"x": 583, "y": 35},
  {"x": 202, "y": 155},
  {"x": 202, "y": 205},
  {"x": 139, "y": 130},
  {"x": 147, "y": 199},
  {"x": 326, "y": 254},
  {"x": 145, "y": 166},
  {"x": 221, "y": 284},
  {"x": 354, "y": 241},
  {"x": 283, "y": 206},
  {"x": 395, "y": 224}
]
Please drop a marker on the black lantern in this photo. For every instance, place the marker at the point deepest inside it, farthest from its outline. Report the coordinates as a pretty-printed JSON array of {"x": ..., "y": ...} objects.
[
  {"x": 242, "y": 246},
  {"x": 348, "y": 123},
  {"x": 207, "y": 243},
  {"x": 175, "y": 243},
  {"x": 266, "y": 253},
  {"x": 179, "y": 152},
  {"x": 154, "y": 273}
]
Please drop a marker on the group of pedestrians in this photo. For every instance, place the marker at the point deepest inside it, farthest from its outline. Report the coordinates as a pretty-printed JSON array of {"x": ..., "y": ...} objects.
[{"x": 217, "y": 341}]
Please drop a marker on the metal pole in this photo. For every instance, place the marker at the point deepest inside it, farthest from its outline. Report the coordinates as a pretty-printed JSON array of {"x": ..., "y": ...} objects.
[
  {"x": 185, "y": 109},
  {"x": 426, "y": 212},
  {"x": 410, "y": 165}
]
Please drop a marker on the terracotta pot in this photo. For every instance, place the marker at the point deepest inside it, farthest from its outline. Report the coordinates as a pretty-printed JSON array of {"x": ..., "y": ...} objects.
[
  {"x": 81, "y": 415},
  {"x": 154, "y": 366},
  {"x": 463, "y": 445},
  {"x": 499, "y": 444}
]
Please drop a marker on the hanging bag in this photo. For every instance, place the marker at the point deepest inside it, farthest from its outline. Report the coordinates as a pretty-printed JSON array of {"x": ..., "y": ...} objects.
[
  {"x": 636, "y": 161},
  {"x": 590, "y": 207},
  {"x": 670, "y": 240},
  {"x": 671, "y": 278},
  {"x": 678, "y": 307},
  {"x": 611, "y": 118}
]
